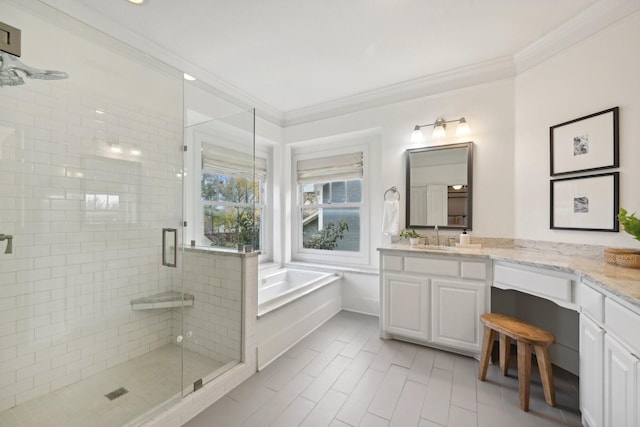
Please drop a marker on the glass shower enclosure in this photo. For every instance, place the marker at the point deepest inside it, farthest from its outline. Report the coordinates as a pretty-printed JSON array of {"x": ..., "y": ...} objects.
[{"x": 93, "y": 299}]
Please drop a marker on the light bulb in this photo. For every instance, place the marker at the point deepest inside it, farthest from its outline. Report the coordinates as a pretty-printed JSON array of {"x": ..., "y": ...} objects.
[
  {"x": 439, "y": 131},
  {"x": 416, "y": 135},
  {"x": 463, "y": 128},
  {"x": 189, "y": 77},
  {"x": 439, "y": 128}
]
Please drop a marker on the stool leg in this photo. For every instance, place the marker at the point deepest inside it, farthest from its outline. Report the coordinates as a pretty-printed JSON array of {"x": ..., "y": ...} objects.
[
  {"x": 487, "y": 345},
  {"x": 505, "y": 353},
  {"x": 524, "y": 374},
  {"x": 544, "y": 364}
]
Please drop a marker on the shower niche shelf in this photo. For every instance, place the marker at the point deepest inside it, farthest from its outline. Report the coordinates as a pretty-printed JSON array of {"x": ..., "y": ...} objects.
[{"x": 168, "y": 299}]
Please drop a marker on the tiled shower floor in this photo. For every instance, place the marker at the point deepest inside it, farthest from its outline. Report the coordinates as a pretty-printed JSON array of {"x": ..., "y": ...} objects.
[{"x": 151, "y": 380}]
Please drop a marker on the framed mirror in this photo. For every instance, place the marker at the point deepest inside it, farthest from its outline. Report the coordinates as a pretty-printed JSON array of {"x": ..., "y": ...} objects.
[{"x": 439, "y": 186}]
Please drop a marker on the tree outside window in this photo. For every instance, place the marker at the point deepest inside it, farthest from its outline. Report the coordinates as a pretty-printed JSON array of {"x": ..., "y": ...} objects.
[{"x": 232, "y": 209}]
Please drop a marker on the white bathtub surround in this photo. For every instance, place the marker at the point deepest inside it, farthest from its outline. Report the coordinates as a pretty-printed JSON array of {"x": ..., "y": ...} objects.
[
  {"x": 284, "y": 286},
  {"x": 293, "y": 303}
]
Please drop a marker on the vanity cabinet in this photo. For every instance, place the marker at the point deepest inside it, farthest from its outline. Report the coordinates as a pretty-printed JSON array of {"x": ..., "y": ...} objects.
[
  {"x": 406, "y": 309},
  {"x": 609, "y": 365},
  {"x": 434, "y": 300},
  {"x": 621, "y": 385},
  {"x": 456, "y": 309},
  {"x": 591, "y": 371}
]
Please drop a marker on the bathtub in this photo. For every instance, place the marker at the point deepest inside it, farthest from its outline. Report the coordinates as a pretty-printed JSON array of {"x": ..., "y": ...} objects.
[
  {"x": 291, "y": 304},
  {"x": 280, "y": 287}
]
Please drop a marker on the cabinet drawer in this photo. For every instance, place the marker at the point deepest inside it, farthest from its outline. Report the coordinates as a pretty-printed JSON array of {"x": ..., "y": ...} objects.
[
  {"x": 533, "y": 282},
  {"x": 592, "y": 303},
  {"x": 437, "y": 267},
  {"x": 473, "y": 270},
  {"x": 392, "y": 263},
  {"x": 623, "y": 323}
]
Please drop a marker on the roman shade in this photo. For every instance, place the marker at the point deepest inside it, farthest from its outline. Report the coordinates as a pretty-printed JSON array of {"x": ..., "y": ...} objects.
[{"x": 332, "y": 168}]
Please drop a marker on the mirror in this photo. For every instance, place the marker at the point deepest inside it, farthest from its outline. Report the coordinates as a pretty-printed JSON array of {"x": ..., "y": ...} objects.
[{"x": 439, "y": 186}]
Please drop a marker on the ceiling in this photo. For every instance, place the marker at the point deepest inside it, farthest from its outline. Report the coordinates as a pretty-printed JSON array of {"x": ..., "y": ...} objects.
[{"x": 295, "y": 58}]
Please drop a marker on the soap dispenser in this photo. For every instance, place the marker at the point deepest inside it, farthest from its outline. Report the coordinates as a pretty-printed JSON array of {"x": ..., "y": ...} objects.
[{"x": 465, "y": 239}]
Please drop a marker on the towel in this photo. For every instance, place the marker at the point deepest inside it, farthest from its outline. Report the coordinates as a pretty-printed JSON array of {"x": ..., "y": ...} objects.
[{"x": 390, "y": 217}]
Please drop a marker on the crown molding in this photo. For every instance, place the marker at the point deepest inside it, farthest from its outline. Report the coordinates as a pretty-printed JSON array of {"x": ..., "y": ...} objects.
[
  {"x": 592, "y": 20},
  {"x": 218, "y": 87},
  {"x": 470, "y": 75},
  {"x": 597, "y": 17}
]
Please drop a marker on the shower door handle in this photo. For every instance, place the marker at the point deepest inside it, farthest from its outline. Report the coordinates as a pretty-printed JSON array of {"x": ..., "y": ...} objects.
[
  {"x": 170, "y": 247},
  {"x": 9, "y": 240}
]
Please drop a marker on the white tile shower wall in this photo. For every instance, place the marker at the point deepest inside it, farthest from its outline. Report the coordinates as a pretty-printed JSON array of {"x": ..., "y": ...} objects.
[
  {"x": 215, "y": 320},
  {"x": 196, "y": 402},
  {"x": 87, "y": 227}
]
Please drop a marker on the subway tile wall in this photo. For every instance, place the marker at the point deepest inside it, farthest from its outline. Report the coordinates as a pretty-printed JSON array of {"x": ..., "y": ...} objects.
[
  {"x": 215, "y": 279},
  {"x": 86, "y": 185},
  {"x": 196, "y": 402}
]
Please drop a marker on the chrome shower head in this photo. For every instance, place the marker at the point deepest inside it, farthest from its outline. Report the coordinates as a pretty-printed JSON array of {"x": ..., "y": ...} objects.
[
  {"x": 10, "y": 78},
  {"x": 12, "y": 67}
]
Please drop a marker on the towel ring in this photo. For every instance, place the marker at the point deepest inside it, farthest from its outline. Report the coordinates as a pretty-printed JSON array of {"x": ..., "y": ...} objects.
[{"x": 392, "y": 190}]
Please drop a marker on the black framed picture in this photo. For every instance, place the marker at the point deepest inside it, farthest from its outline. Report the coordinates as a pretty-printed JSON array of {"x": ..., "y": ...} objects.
[
  {"x": 585, "y": 203},
  {"x": 588, "y": 143}
]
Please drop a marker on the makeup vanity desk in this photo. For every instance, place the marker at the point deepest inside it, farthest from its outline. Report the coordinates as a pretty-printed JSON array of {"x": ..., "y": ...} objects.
[{"x": 434, "y": 296}]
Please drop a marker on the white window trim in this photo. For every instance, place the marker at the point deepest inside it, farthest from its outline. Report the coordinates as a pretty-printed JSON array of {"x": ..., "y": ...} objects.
[
  {"x": 324, "y": 256},
  {"x": 193, "y": 206}
]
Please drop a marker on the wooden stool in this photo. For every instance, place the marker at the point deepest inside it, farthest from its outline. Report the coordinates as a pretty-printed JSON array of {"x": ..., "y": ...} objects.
[{"x": 526, "y": 335}]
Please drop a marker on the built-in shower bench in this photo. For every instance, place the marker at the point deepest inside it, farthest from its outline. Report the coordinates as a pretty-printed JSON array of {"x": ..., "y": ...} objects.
[{"x": 168, "y": 299}]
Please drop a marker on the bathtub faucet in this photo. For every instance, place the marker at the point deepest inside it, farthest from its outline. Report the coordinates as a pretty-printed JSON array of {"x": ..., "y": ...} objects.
[{"x": 9, "y": 240}]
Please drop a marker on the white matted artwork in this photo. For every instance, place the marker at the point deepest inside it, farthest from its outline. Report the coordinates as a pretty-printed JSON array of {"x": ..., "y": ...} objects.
[
  {"x": 585, "y": 144},
  {"x": 585, "y": 202}
]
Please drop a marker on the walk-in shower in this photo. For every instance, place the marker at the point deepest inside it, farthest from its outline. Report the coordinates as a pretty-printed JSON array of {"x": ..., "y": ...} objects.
[{"x": 94, "y": 329}]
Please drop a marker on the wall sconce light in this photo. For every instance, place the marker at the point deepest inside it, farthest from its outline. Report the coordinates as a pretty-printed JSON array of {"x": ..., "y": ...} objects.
[{"x": 439, "y": 129}]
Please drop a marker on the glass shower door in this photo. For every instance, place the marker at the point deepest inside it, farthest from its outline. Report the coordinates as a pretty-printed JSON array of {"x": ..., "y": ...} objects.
[
  {"x": 90, "y": 174},
  {"x": 221, "y": 191}
]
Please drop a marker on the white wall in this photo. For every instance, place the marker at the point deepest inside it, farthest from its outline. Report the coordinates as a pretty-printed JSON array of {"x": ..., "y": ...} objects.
[
  {"x": 596, "y": 74},
  {"x": 488, "y": 109}
]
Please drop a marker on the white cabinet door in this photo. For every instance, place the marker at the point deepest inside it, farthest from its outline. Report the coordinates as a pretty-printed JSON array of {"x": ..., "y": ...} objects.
[
  {"x": 457, "y": 307},
  {"x": 406, "y": 305},
  {"x": 591, "y": 372},
  {"x": 620, "y": 385}
]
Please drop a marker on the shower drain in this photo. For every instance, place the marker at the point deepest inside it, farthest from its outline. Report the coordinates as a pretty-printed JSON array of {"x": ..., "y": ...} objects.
[{"x": 116, "y": 393}]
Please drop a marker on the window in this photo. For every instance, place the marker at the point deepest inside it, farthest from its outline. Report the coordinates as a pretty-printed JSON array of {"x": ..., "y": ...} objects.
[
  {"x": 330, "y": 206},
  {"x": 232, "y": 197}
]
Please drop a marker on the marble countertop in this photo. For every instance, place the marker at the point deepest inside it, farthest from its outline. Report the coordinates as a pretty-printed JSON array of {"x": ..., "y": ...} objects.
[{"x": 623, "y": 282}]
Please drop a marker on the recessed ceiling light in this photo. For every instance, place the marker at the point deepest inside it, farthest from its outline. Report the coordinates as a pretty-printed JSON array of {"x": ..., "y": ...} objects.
[
  {"x": 136, "y": 1},
  {"x": 189, "y": 77}
]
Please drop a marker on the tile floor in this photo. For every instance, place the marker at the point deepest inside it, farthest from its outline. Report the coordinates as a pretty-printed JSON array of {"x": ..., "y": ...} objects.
[
  {"x": 344, "y": 375},
  {"x": 151, "y": 380}
]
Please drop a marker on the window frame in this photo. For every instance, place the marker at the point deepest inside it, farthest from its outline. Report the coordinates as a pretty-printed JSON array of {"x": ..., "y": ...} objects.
[
  {"x": 299, "y": 253},
  {"x": 194, "y": 206}
]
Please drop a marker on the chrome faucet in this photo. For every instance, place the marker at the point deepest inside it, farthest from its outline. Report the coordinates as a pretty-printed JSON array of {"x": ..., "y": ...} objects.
[
  {"x": 437, "y": 236},
  {"x": 9, "y": 240}
]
